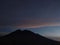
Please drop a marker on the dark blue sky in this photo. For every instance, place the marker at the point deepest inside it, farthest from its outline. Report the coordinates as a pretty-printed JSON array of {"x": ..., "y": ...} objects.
[{"x": 28, "y": 14}]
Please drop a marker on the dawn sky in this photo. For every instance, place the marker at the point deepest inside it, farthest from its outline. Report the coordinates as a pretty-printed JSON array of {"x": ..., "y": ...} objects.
[{"x": 33, "y": 14}]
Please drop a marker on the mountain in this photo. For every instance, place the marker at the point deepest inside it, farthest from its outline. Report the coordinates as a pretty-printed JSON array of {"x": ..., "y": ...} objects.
[{"x": 26, "y": 38}]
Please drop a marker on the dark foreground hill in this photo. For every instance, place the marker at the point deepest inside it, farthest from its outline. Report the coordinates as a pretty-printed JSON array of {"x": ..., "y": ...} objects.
[{"x": 26, "y": 38}]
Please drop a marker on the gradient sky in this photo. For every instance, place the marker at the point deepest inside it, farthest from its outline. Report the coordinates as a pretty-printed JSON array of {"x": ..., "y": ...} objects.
[{"x": 42, "y": 16}]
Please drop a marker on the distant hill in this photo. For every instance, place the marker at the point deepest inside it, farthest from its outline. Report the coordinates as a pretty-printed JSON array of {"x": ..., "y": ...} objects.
[{"x": 26, "y": 38}]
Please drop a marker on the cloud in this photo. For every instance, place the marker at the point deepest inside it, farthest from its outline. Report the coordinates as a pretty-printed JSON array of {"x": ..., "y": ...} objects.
[{"x": 32, "y": 23}]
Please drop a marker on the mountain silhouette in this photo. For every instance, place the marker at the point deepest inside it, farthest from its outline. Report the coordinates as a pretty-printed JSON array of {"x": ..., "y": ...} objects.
[{"x": 26, "y": 37}]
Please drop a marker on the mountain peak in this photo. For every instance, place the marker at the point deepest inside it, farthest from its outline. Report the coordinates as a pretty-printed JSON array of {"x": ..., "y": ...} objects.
[{"x": 18, "y": 30}]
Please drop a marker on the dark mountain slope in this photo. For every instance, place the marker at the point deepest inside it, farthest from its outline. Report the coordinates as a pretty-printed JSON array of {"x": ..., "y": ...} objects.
[{"x": 26, "y": 38}]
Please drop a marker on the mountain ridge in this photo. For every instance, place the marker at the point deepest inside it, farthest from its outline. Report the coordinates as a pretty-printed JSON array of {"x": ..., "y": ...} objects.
[{"x": 27, "y": 37}]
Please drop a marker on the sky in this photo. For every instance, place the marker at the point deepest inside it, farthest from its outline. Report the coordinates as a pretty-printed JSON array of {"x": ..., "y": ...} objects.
[{"x": 41, "y": 16}]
